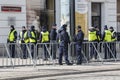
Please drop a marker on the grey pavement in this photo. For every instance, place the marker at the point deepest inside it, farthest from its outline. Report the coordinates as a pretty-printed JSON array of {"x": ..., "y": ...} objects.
[
  {"x": 109, "y": 75},
  {"x": 43, "y": 71}
]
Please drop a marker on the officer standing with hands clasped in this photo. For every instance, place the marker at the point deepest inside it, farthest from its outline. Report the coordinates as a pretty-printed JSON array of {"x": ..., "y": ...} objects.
[
  {"x": 79, "y": 39},
  {"x": 63, "y": 46}
]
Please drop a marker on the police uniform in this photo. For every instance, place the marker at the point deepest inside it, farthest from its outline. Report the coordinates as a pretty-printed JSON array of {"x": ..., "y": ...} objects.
[
  {"x": 12, "y": 39},
  {"x": 113, "y": 44},
  {"x": 107, "y": 37},
  {"x": 32, "y": 39},
  {"x": 63, "y": 46},
  {"x": 93, "y": 38},
  {"x": 23, "y": 41},
  {"x": 45, "y": 39},
  {"x": 79, "y": 39},
  {"x": 26, "y": 38},
  {"x": 53, "y": 36}
]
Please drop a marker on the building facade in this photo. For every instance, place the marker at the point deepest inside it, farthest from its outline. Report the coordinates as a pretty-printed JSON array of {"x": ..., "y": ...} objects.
[
  {"x": 86, "y": 13},
  {"x": 118, "y": 15},
  {"x": 11, "y": 13},
  {"x": 89, "y": 13}
]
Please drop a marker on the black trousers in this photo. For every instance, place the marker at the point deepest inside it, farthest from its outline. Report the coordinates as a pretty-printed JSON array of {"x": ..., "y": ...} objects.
[{"x": 12, "y": 49}]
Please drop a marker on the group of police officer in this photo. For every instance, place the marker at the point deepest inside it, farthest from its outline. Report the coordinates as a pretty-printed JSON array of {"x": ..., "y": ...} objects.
[
  {"x": 62, "y": 37},
  {"x": 108, "y": 37}
]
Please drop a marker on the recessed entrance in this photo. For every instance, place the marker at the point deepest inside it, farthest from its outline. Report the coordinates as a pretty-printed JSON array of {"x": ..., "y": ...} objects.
[{"x": 96, "y": 15}]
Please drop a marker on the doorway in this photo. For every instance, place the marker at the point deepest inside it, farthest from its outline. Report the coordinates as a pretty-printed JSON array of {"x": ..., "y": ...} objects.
[{"x": 96, "y": 15}]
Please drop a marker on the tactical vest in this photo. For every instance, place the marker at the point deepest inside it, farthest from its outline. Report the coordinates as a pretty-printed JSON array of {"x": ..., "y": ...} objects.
[
  {"x": 26, "y": 38},
  {"x": 113, "y": 39},
  {"x": 45, "y": 36},
  {"x": 11, "y": 36},
  {"x": 108, "y": 36},
  {"x": 92, "y": 36},
  {"x": 34, "y": 36}
]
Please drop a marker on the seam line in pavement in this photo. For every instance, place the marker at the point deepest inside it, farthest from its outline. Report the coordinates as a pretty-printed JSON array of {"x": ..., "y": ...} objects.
[{"x": 60, "y": 74}]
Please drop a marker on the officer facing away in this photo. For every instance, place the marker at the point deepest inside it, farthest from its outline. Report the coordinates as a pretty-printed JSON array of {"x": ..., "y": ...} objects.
[
  {"x": 107, "y": 38},
  {"x": 113, "y": 44},
  {"x": 92, "y": 37},
  {"x": 45, "y": 38},
  {"x": 12, "y": 37},
  {"x": 53, "y": 36},
  {"x": 79, "y": 39},
  {"x": 98, "y": 33},
  {"x": 63, "y": 46}
]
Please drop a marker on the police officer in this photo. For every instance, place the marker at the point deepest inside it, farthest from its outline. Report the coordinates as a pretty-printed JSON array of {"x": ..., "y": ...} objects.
[
  {"x": 12, "y": 37},
  {"x": 98, "y": 34},
  {"x": 63, "y": 46},
  {"x": 93, "y": 39},
  {"x": 79, "y": 39},
  {"x": 107, "y": 38},
  {"x": 113, "y": 44},
  {"x": 22, "y": 42},
  {"x": 26, "y": 36},
  {"x": 33, "y": 40},
  {"x": 45, "y": 38},
  {"x": 53, "y": 36}
]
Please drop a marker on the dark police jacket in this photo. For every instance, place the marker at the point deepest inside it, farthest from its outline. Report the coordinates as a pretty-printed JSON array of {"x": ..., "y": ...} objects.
[
  {"x": 53, "y": 34},
  {"x": 64, "y": 38},
  {"x": 79, "y": 38}
]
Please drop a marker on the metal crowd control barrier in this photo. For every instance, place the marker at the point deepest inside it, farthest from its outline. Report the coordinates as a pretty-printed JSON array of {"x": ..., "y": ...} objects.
[
  {"x": 109, "y": 51},
  {"x": 97, "y": 52},
  {"x": 13, "y": 54},
  {"x": 72, "y": 51},
  {"x": 47, "y": 53}
]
